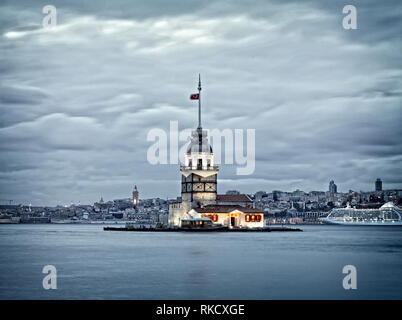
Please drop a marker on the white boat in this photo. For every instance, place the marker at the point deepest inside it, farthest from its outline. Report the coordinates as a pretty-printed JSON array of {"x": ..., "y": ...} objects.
[{"x": 387, "y": 215}]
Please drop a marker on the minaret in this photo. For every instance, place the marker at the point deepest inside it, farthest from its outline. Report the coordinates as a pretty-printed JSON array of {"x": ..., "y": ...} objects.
[{"x": 199, "y": 175}]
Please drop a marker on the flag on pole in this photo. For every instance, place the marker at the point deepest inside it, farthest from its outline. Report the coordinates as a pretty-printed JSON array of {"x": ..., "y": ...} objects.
[{"x": 195, "y": 96}]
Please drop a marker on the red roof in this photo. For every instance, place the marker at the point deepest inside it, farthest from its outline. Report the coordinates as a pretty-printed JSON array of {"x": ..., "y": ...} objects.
[
  {"x": 233, "y": 198},
  {"x": 226, "y": 209}
]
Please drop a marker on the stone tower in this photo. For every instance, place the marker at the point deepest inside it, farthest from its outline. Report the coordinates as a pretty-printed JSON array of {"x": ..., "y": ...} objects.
[
  {"x": 198, "y": 173},
  {"x": 135, "y": 196}
]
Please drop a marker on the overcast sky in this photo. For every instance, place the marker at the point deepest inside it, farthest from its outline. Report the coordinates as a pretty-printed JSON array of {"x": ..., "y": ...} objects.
[{"x": 77, "y": 101}]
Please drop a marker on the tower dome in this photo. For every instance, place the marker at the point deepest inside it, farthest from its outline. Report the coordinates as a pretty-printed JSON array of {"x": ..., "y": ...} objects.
[{"x": 199, "y": 142}]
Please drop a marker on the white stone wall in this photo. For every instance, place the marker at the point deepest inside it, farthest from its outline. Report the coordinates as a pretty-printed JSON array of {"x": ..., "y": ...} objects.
[
  {"x": 176, "y": 214},
  {"x": 224, "y": 219},
  {"x": 250, "y": 224}
]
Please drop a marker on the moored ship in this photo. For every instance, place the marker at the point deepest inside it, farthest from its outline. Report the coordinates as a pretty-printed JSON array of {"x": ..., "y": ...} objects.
[{"x": 387, "y": 215}]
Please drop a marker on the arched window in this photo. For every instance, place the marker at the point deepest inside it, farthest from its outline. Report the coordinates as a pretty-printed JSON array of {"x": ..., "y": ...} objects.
[{"x": 213, "y": 217}]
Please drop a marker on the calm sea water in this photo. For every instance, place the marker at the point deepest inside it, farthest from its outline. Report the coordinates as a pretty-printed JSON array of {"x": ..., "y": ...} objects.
[{"x": 96, "y": 264}]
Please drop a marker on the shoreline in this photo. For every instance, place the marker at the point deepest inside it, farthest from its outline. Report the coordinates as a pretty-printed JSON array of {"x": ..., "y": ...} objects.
[{"x": 278, "y": 229}]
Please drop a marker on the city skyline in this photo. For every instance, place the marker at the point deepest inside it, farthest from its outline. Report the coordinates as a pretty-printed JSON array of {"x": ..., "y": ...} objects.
[
  {"x": 135, "y": 195},
  {"x": 325, "y": 102}
]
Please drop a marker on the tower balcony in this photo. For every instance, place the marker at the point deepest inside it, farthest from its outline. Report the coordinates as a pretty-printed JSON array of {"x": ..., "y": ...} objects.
[{"x": 199, "y": 168}]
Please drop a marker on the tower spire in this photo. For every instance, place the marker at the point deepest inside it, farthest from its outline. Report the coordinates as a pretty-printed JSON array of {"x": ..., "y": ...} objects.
[{"x": 199, "y": 101}]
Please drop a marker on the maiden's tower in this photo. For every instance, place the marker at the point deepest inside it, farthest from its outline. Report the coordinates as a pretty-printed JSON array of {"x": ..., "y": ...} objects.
[{"x": 199, "y": 198}]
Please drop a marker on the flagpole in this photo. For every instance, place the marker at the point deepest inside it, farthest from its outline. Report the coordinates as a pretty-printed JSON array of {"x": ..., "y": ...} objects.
[{"x": 199, "y": 101}]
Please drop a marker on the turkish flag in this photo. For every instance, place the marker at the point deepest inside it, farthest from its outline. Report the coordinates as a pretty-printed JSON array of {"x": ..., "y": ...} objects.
[{"x": 195, "y": 96}]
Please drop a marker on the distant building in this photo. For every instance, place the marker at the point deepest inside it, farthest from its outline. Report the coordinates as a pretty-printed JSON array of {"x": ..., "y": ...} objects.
[
  {"x": 378, "y": 185},
  {"x": 332, "y": 187},
  {"x": 117, "y": 215},
  {"x": 100, "y": 205},
  {"x": 276, "y": 195},
  {"x": 259, "y": 195},
  {"x": 232, "y": 192},
  {"x": 135, "y": 196},
  {"x": 163, "y": 219}
]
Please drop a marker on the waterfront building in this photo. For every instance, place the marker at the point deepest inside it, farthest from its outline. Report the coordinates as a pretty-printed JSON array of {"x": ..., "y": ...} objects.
[
  {"x": 232, "y": 216},
  {"x": 242, "y": 200},
  {"x": 163, "y": 219},
  {"x": 199, "y": 198}
]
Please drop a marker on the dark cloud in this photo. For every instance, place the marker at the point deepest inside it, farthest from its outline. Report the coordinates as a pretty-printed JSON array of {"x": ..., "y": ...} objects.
[
  {"x": 20, "y": 95},
  {"x": 78, "y": 101}
]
